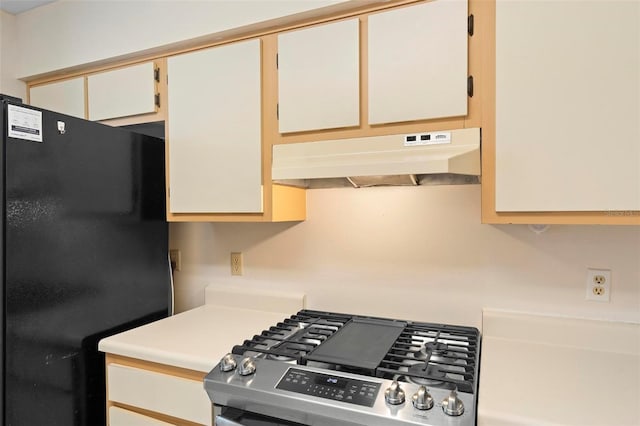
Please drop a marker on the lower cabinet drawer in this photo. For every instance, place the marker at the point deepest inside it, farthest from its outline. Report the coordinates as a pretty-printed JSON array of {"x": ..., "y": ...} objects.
[
  {"x": 122, "y": 417},
  {"x": 162, "y": 393}
]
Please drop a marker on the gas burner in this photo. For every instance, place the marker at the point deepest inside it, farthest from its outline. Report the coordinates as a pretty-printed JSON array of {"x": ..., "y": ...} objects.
[
  {"x": 436, "y": 376},
  {"x": 281, "y": 358},
  {"x": 429, "y": 349}
]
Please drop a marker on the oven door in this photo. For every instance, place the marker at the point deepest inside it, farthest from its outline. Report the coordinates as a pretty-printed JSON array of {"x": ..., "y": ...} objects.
[{"x": 233, "y": 417}]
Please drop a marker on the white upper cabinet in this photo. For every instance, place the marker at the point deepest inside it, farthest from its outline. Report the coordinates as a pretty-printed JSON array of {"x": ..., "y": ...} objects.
[
  {"x": 318, "y": 77},
  {"x": 122, "y": 92},
  {"x": 66, "y": 96},
  {"x": 417, "y": 62},
  {"x": 215, "y": 155},
  {"x": 567, "y": 106}
]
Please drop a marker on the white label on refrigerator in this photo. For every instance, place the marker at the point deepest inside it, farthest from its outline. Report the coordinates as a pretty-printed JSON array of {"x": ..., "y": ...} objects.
[{"x": 24, "y": 123}]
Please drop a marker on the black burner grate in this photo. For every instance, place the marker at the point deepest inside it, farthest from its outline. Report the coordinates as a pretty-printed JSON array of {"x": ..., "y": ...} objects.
[
  {"x": 296, "y": 336},
  {"x": 435, "y": 355}
]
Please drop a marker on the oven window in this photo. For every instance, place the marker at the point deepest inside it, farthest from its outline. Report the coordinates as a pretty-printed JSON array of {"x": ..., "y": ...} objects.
[{"x": 234, "y": 417}]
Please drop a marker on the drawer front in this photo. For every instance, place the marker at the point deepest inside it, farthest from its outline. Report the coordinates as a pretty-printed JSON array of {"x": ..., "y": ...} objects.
[
  {"x": 174, "y": 396},
  {"x": 122, "y": 417}
]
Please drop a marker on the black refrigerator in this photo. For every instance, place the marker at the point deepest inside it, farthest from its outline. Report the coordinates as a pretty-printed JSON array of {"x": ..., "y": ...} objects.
[{"x": 84, "y": 256}]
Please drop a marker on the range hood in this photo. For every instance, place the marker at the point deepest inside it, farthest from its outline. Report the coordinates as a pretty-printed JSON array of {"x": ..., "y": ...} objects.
[{"x": 443, "y": 157}]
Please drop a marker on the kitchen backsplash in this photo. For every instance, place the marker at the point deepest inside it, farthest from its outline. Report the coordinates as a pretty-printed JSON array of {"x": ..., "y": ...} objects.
[{"x": 416, "y": 253}]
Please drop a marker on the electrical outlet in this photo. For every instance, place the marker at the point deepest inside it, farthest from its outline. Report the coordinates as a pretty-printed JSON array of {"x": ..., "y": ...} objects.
[
  {"x": 598, "y": 284},
  {"x": 176, "y": 261},
  {"x": 236, "y": 263}
]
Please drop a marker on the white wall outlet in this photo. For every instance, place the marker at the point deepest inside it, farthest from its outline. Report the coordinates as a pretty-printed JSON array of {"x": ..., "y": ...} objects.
[
  {"x": 236, "y": 263},
  {"x": 598, "y": 284}
]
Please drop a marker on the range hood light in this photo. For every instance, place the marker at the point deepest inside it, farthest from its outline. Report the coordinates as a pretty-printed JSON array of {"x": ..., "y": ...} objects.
[{"x": 382, "y": 180}]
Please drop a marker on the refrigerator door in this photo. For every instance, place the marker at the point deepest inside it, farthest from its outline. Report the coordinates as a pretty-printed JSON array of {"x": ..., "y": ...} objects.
[{"x": 85, "y": 256}]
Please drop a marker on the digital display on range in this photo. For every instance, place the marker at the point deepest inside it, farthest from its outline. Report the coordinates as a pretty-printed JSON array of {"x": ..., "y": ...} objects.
[
  {"x": 342, "y": 389},
  {"x": 330, "y": 381}
]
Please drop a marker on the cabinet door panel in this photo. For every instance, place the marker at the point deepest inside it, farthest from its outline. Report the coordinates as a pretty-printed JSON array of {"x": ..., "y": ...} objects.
[
  {"x": 215, "y": 155},
  {"x": 567, "y": 106},
  {"x": 65, "y": 96},
  {"x": 121, "y": 417},
  {"x": 418, "y": 62},
  {"x": 162, "y": 393},
  {"x": 121, "y": 93},
  {"x": 318, "y": 77}
]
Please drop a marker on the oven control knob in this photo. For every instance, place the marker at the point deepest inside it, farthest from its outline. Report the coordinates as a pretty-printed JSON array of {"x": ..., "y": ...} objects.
[
  {"x": 452, "y": 405},
  {"x": 394, "y": 394},
  {"x": 422, "y": 400},
  {"x": 227, "y": 363},
  {"x": 247, "y": 367}
]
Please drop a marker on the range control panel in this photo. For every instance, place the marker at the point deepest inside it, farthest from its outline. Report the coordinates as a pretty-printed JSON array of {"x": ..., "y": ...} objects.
[{"x": 338, "y": 388}]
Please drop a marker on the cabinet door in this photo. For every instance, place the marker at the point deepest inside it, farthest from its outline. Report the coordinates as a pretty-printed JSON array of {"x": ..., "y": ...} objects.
[
  {"x": 121, "y": 417},
  {"x": 318, "y": 77},
  {"x": 214, "y": 133},
  {"x": 567, "y": 106},
  {"x": 66, "y": 97},
  {"x": 122, "y": 92},
  {"x": 417, "y": 59},
  {"x": 161, "y": 393}
]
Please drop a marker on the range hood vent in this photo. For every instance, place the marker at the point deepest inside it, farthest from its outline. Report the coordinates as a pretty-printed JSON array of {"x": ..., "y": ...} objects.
[{"x": 428, "y": 158}]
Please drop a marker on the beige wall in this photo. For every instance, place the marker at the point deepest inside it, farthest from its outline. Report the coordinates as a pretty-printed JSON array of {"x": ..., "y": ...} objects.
[
  {"x": 414, "y": 253},
  {"x": 9, "y": 84}
]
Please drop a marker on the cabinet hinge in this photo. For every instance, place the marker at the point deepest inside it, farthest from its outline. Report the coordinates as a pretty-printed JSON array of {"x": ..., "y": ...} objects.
[
  {"x": 157, "y": 100},
  {"x": 470, "y": 25},
  {"x": 277, "y": 61},
  {"x": 277, "y": 111},
  {"x": 470, "y": 86},
  {"x": 156, "y": 74}
]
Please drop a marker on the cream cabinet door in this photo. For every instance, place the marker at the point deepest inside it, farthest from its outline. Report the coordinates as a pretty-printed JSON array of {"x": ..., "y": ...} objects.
[
  {"x": 417, "y": 62},
  {"x": 122, "y": 92},
  {"x": 122, "y": 417},
  {"x": 318, "y": 77},
  {"x": 567, "y": 106},
  {"x": 215, "y": 155},
  {"x": 65, "y": 96},
  {"x": 161, "y": 393}
]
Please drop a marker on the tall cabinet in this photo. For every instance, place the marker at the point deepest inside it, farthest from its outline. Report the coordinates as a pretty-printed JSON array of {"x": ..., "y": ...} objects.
[
  {"x": 219, "y": 142},
  {"x": 215, "y": 150},
  {"x": 566, "y": 141}
]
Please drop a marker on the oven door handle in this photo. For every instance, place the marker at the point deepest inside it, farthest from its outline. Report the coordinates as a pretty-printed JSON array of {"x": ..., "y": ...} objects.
[{"x": 223, "y": 421}]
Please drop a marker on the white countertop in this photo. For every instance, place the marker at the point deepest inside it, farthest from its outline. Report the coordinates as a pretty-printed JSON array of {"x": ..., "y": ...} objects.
[
  {"x": 197, "y": 339},
  {"x": 542, "y": 370}
]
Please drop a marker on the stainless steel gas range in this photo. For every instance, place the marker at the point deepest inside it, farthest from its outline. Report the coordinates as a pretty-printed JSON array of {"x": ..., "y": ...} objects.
[{"x": 321, "y": 368}]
